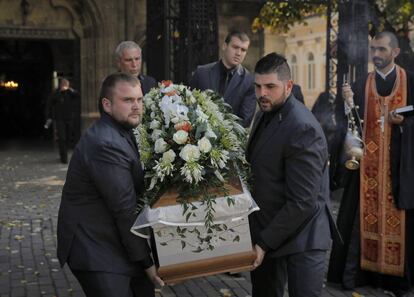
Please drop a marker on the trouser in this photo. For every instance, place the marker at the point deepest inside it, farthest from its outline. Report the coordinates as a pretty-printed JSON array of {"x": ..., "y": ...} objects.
[
  {"x": 104, "y": 284},
  {"x": 304, "y": 273},
  {"x": 64, "y": 131}
]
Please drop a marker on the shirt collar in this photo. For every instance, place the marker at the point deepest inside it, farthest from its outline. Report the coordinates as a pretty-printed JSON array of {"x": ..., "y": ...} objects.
[
  {"x": 384, "y": 76},
  {"x": 224, "y": 69}
]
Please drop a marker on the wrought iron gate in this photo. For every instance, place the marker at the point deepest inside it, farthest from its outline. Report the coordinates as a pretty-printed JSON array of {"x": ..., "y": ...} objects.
[{"x": 181, "y": 34}]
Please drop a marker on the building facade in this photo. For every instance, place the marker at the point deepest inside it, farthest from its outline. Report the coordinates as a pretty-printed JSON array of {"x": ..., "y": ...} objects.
[
  {"x": 43, "y": 39},
  {"x": 304, "y": 46}
]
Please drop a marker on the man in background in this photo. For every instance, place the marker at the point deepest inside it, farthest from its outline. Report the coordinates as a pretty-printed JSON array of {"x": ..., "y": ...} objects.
[
  {"x": 376, "y": 215},
  {"x": 63, "y": 108},
  {"x": 229, "y": 78},
  {"x": 128, "y": 58}
]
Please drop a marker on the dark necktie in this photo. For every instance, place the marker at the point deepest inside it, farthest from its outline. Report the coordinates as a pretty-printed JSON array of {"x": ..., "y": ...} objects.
[{"x": 224, "y": 82}]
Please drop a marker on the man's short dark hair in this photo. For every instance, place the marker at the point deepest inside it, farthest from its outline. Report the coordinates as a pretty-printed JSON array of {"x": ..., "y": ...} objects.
[
  {"x": 240, "y": 35},
  {"x": 109, "y": 83},
  {"x": 393, "y": 38},
  {"x": 273, "y": 63}
]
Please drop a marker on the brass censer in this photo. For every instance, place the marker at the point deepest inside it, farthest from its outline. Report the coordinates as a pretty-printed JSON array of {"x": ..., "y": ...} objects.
[{"x": 353, "y": 144}]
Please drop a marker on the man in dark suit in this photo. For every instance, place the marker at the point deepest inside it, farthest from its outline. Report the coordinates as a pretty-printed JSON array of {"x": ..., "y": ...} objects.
[
  {"x": 99, "y": 200},
  {"x": 128, "y": 58},
  {"x": 229, "y": 78},
  {"x": 63, "y": 107},
  {"x": 288, "y": 154}
]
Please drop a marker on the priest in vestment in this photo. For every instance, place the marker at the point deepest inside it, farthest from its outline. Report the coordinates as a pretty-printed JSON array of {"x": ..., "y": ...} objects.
[{"x": 376, "y": 216}]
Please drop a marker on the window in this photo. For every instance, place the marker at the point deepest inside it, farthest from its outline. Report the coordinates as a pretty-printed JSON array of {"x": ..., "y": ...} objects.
[
  {"x": 294, "y": 68},
  {"x": 311, "y": 72}
]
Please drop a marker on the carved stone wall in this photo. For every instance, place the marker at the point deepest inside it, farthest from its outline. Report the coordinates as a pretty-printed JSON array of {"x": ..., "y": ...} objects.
[{"x": 96, "y": 27}]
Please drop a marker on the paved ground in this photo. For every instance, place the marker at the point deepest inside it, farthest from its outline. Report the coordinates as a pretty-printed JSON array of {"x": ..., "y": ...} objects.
[{"x": 31, "y": 180}]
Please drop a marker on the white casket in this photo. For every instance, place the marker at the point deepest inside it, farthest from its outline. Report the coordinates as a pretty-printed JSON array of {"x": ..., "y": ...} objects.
[{"x": 181, "y": 254}]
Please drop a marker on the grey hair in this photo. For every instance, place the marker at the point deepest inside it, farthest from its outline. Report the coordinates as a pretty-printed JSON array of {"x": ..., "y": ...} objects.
[{"x": 125, "y": 45}]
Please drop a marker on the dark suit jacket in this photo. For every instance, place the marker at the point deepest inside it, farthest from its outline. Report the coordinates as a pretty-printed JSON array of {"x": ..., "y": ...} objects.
[
  {"x": 290, "y": 182},
  {"x": 63, "y": 105},
  {"x": 239, "y": 93},
  {"x": 99, "y": 202},
  {"x": 147, "y": 82}
]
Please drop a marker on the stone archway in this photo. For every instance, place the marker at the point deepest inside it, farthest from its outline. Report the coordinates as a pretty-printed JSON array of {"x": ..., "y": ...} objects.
[{"x": 80, "y": 21}]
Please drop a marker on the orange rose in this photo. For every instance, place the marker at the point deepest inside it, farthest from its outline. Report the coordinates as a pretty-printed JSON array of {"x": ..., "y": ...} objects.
[{"x": 186, "y": 126}]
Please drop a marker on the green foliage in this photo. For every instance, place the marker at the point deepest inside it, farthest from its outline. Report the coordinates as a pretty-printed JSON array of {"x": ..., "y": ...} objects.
[
  {"x": 397, "y": 14},
  {"x": 280, "y": 16}
]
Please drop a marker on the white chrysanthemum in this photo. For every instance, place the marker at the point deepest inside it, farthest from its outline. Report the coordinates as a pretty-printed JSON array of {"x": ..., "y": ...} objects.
[
  {"x": 204, "y": 145},
  {"x": 180, "y": 137},
  {"x": 219, "y": 158},
  {"x": 160, "y": 146},
  {"x": 192, "y": 172},
  {"x": 190, "y": 153}
]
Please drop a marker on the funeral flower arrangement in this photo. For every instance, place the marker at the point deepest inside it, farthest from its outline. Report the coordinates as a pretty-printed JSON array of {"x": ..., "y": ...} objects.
[{"x": 189, "y": 141}]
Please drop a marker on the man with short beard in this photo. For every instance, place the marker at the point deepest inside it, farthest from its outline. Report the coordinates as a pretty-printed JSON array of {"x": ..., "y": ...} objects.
[
  {"x": 99, "y": 200},
  {"x": 288, "y": 154},
  {"x": 376, "y": 216}
]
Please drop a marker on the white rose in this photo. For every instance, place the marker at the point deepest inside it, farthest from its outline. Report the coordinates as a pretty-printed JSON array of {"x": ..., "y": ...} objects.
[
  {"x": 190, "y": 153},
  {"x": 155, "y": 124},
  {"x": 180, "y": 137},
  {"x": 204, "y": 145},
  {"x": 160, "y": 146},
  {"x": 168, "y": 156}
]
